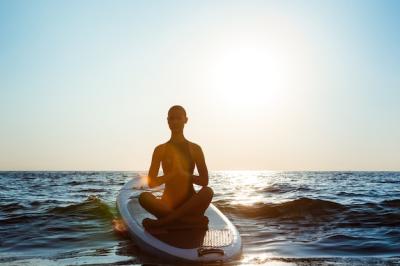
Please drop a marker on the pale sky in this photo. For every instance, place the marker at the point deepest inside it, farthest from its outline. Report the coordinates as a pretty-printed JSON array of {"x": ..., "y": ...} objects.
[{"x": 267, "y": 85}]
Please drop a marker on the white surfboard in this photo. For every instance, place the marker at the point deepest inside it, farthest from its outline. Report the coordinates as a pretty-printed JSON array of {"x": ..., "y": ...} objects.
[{"x": 219, "y": 242}]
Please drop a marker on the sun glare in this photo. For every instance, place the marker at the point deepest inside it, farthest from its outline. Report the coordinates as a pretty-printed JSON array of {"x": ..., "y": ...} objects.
[
  {"x": 262, "y": 69},
  {"x": 251, "y": 75}
]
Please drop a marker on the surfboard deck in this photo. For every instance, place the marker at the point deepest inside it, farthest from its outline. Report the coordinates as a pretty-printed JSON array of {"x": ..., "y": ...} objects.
[{"x": 219, "y": 241}]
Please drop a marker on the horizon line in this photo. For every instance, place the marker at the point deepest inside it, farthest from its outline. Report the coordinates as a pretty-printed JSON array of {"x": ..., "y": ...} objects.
[{"x": 234, "y": 170}]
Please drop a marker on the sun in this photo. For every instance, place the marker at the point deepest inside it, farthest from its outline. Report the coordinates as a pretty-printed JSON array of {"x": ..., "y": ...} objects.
[{"x": 251, "y": 74}]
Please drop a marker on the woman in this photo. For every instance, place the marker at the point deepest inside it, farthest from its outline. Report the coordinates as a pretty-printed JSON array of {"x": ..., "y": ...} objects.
[{"x": 178, "y": 158}]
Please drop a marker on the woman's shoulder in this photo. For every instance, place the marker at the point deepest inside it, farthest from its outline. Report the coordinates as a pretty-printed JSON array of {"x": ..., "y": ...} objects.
[
  {"x": 160, "y": 148},
  {"x": 194, "y": 146}
]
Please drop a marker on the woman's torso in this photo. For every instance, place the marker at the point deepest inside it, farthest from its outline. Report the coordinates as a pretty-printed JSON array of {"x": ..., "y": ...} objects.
[{"x": 179, "y": 188}]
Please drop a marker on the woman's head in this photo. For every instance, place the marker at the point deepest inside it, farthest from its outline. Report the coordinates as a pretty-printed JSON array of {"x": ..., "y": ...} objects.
[{"x": 177, "y": 118}]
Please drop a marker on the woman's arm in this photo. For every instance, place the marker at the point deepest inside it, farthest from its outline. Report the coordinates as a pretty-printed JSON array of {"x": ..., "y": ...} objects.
[
  {"x": 153, "y": 180},
  {"x": 202, "y": 178}
]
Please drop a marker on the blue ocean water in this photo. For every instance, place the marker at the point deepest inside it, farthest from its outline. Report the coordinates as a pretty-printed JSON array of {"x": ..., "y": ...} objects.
[{"x": 284, "y": 218}]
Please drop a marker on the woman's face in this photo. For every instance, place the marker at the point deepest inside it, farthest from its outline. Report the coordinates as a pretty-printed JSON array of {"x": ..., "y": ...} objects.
[{"x": 176, "y": 120}]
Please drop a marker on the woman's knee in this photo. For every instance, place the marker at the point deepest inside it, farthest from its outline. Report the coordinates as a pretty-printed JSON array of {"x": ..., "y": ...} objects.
[
  {"x": 207, "y": 192},
  {"x": 144, "y": 198}
]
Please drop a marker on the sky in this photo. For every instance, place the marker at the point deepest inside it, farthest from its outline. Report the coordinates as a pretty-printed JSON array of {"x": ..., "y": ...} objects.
[{"x": 267, "y": 85}]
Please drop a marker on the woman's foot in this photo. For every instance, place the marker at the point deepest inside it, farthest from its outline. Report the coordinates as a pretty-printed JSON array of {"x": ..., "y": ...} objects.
[
  {"x": 149, "y": 223},
  {"x": 193, "y": 220},
  {"x": 153, "y": 227}
]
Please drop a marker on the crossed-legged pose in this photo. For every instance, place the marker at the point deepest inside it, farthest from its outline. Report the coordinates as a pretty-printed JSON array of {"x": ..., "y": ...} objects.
[{"x": 178, "y": 157}]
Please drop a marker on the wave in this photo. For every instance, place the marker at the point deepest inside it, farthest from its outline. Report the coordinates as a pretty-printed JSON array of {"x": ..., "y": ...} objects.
[
  {"x": 341, "y": 238},
  {"x": 283, "y": 188},
  {"x": 92, "y": 207},
  {"x": 392, "y": 203},
  {"x": 298, "y": 207},
  {"x": 384, "y": 213},
  {"x": 93, "y": 190},
  {"x": 11, "y": 207},
  {"x": 82, "y": 182},
  {"x": 349, "y": 194}
]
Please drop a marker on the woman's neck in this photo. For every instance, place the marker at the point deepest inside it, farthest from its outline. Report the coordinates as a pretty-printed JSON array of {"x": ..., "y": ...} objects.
[{"x": 177, "y": 137}]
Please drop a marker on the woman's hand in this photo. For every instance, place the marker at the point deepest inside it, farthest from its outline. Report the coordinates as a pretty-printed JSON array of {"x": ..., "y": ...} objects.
[{"x": 177, "y": 172}]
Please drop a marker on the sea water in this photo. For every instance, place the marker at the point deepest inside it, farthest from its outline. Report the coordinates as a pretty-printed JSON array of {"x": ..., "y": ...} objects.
[{"x": 284, "y": 218}]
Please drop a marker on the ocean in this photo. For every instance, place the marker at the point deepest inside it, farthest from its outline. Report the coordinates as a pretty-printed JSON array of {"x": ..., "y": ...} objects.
[{"x": 284, "y": 218}]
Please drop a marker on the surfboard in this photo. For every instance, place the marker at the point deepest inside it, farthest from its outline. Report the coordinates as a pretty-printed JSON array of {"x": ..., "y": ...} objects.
[{"x": 219, "y": 241}]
